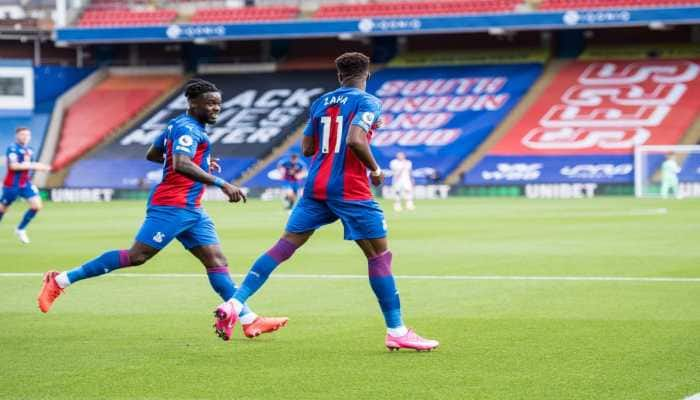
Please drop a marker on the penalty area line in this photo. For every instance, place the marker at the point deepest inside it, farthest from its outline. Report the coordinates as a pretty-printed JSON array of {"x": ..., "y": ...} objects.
[{"x": 404, "y": 277}]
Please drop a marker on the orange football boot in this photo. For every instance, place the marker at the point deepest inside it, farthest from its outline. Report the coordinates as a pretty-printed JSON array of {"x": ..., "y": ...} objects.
[
  {"x": 49, "y": 291},
  {"x": 263, "y": 325}
]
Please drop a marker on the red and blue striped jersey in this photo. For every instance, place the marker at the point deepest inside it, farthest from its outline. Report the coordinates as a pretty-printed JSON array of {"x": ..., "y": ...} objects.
[
  {"x": 183, "y": 135},
  {"x": 16, "y": 153},
  {"x": 335, "y": 172},
  {"x": 291, "y": 169}
]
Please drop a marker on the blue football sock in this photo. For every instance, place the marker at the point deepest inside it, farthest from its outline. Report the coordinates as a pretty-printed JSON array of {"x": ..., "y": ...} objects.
[
  {"x": 384, "y": 287},
  {"x": 103, "y": 264},
  {"x": 28, "y": 216},
  {"x": 262, "y": 269},
  {"x": 1, "y": 215},
  {"x": 222, "y": 284}
]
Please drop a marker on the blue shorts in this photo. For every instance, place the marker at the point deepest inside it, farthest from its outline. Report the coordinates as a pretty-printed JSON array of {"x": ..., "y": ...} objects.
[
  {"x": 289, "y": 185},
  {"x": 193, "y": 228},
  {"x": 361, "y": 219},
  {"x": 10, "y": 194}
]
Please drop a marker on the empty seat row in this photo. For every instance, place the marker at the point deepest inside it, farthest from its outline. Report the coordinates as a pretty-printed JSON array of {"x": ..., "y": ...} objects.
[
  {"x": 414, "y": 8},
  {"x": 584, "y": 4},
  {"x": 112, "y": 17},
  {"x": 244, "y": 14}
]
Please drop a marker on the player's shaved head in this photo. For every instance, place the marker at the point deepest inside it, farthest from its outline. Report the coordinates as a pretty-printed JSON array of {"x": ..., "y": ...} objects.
[
  {"x": 204, "y": 100},
  {"x": 352, "y": 68}
]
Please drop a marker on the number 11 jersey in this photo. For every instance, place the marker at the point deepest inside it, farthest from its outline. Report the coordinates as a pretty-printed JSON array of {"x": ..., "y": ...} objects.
[{"x": 335, "y": 172}]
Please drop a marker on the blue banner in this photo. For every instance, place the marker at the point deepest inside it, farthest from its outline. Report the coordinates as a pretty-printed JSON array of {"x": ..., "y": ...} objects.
[
  {"x": 690, "y": 170},
  {"x": 383, "y": 26},
  {"x": 136, "y": 174},
  {"x": 438, "y": 116},
  {"x": 518, "y": 170}
]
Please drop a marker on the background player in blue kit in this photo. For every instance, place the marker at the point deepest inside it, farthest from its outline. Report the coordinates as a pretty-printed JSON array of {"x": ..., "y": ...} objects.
[
  {"x": 18, "y": 181},
  {"x": 337, "y": 136},
  {"x": 293, "y": 171},
  {"x": 174, "y": 209}
]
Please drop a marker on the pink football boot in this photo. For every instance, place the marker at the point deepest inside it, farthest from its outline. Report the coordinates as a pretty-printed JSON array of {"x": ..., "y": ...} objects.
[
  {"x": 224, "y": 320},
  {"x": 410, "y": 340}
]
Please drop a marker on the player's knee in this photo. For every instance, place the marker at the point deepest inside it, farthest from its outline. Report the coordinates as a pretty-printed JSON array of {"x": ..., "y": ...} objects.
[
  {"x": 37, "y": 207},
  {"x": 219, "y": 260},
  {"x": 137, "y": 258}
]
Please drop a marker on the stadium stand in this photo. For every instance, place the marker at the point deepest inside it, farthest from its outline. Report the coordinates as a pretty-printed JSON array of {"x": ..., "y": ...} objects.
[
  {"x": 109, "y": 105},
  {"x": 406, "y": 8},
  {"x": 586, "y": 124},
  {"x": 595, "y": 4},
  {"x": 116, "y": 5},
  {"x": 246, "y": 14},
  {"x": 259, "y": 112},
  {"x": 55, "y": 80},
  {"x": 121, "y": 17}
]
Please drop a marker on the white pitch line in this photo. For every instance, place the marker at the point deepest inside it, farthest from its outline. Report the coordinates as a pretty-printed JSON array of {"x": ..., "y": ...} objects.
[
  {"x": 627, "y": 213},
  {"x": 408, "y": 277},
  {"x": 693, "y": 397}
]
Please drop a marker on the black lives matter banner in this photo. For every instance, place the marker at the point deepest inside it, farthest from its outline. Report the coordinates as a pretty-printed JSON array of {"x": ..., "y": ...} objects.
[{"x": 258, "y": 112}]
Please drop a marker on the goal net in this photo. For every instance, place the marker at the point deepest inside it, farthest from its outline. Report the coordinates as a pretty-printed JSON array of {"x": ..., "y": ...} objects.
[{"x": 671, "y": 171}]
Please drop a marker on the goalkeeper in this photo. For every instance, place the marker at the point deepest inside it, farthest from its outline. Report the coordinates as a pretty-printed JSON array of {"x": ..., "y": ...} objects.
[{"x": 669, "y": 177}]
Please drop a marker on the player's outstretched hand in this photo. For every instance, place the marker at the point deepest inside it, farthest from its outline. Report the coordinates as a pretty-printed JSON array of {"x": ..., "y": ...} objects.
[
  {"x": 234, "y": 193},
  {"x": 214, "y": 166},
  {"x": 379, "y": 124},
  {"x": 377, "y": 179}
]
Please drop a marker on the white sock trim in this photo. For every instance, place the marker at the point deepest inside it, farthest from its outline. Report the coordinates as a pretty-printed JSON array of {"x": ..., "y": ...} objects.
[
  {"x": 237, "y": 306},
  {"x": 62, "y": 280},
  {"x": 398, "y": 331},
  {"x": 248, "y": 318}
]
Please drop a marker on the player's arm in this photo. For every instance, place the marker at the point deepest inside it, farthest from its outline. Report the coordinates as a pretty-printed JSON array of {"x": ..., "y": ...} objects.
[
  {"x": 184, "y": 148},
  {"x": 183, "y": 164},
  {"x": 14, "y": 165},
  {"x": 29, "y": 166},
  {"x": 365, "y": 119},
  {"x": 358, "y": 144},
  {"x": 280, "y": 166},
  {"x": 308, "y": 147},
  {"x": 155, "y": 154}
]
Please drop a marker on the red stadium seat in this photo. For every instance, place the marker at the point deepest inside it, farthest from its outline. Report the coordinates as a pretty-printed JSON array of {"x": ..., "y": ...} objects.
[
  {"x": 408, "y": 8},
  {"x": 214, "y": 15},
  {"x": 120, "y": 17},
  {"x": 595, "y": 4},
  {"x": 116, "y": 100}
]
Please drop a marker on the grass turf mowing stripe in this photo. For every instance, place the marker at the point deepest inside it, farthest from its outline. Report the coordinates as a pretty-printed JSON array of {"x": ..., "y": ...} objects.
[{"x": 414, "y": 277}]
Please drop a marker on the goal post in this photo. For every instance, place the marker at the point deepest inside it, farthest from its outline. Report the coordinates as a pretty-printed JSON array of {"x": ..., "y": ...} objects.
[{"x": 649, "y": 171}]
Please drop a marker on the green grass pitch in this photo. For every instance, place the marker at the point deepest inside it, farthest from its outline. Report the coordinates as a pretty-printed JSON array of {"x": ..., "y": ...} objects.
[{"x": 150, "y": 337}]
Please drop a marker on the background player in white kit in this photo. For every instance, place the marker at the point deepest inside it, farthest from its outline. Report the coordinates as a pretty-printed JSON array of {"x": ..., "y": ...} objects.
[{"x": 402, "y": 181}]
